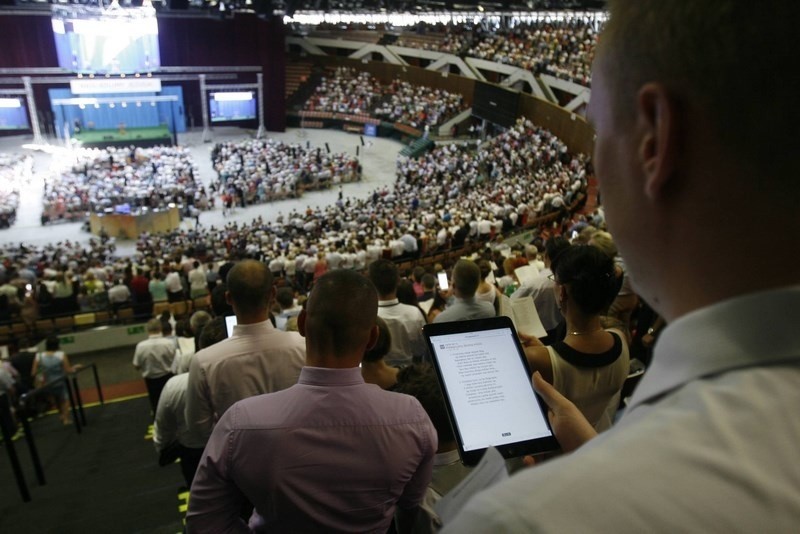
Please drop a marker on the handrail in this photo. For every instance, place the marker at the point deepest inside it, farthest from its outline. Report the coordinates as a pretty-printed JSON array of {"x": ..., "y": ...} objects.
[
  {"x": 7, "y": 429},
  {"x": 76, "y": 389},
  {"x": 78, "y": 417}
]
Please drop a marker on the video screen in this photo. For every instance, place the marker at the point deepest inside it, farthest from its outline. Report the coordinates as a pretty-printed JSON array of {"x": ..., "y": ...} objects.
[
  {"x": 13, "y": 114},
  {"x": 238, "y": 106},
  {"x": 114, "y": 42}
]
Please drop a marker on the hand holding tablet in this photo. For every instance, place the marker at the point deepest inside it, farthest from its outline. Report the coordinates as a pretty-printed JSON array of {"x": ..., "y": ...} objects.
[{"x": 486, "y": 383}]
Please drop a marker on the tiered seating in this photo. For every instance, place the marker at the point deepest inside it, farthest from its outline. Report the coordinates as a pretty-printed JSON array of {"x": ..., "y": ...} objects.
[{"x": 297, "y": 73}]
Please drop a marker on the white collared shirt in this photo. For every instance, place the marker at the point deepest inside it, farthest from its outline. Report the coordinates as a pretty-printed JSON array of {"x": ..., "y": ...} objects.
[{"x": 708, "y": 443}]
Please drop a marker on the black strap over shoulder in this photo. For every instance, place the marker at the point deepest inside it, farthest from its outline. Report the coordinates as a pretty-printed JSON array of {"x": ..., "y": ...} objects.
[{"x": 583, "y": 359}]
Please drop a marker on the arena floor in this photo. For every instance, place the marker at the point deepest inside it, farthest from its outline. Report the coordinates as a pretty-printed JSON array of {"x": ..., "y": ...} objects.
[{"x": 378, "y": 158}]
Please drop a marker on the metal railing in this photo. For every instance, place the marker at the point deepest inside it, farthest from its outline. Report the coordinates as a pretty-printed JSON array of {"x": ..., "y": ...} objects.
[{"x": 26, "y": 404}]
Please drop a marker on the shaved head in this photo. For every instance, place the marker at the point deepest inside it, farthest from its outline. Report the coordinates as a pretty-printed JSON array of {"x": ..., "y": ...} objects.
[
  {"x": 250, "y": 286},
  {"x": 340, "y": 314}
]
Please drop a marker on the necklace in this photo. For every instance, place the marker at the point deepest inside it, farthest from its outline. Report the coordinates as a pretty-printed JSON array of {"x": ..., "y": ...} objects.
[{"x": 585, "y": 333}]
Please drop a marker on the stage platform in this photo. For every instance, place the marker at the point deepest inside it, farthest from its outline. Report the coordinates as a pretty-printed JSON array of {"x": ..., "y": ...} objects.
[
  {"x": 141, "y": 137},
  {"x": 130, "y": 226}
]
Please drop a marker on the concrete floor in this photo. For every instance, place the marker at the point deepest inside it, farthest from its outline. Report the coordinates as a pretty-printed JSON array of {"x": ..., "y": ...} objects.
[{"x": 378, "y": 158}]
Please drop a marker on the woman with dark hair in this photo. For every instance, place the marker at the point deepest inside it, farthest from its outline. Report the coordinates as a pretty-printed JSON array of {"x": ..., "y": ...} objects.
[
  {"x": 487, "y": 291},
  {"x": 374, "y": 369},
  {"x": 590, "y": 366},
  {"x": 53, "y": 364},
  {"x": 407, "y": 295}
]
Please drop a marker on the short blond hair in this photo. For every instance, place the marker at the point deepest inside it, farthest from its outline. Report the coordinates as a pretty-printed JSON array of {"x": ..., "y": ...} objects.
[
  {"x": 604, "y": 242},
  {"x": 715, "y": 56}
]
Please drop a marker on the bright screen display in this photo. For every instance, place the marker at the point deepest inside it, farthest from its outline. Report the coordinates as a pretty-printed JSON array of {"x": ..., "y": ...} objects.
[
  {"x": 13, "y": 114},
  {"x": 238, "y": 106},
  {"x": 115, "y": 42}
]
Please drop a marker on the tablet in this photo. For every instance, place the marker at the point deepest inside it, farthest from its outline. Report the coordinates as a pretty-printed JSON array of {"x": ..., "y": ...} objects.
[
  {"x": 486, "y": 383},
  {"x": 230, "y": 322}
]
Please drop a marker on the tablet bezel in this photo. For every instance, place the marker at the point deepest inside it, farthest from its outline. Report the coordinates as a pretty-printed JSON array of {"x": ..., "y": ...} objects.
[{"x": 510, "y": 450}]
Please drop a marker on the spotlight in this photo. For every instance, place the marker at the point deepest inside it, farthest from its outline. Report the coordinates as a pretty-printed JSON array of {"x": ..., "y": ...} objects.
[
  {"x": 111, "y": 105},
  {"x": 122, "y": 75}
]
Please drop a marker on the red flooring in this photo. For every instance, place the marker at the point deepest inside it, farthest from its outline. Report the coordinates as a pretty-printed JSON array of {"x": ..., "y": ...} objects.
[{"x": 114, "y": 391}]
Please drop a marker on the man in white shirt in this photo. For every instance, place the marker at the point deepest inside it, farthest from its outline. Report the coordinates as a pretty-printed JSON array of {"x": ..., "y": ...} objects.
[
  {"x": 174, "y": 285},
  {"x": 541, "y": 288},
  {"x": 153, "y": 358},
  {"x": 405, "y": 322},
  {"x": 256, "y": 359},
  {"x": 709, "y": 438}
]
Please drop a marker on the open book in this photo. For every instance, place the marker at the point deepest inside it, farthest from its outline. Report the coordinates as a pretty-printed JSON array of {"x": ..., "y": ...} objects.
[
  {"x": 526, "y": 274},
  {"x": 522, "y": 312}
]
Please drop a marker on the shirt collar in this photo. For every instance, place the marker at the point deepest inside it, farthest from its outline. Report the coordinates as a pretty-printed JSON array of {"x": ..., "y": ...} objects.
[
  {"x": 239, "y": 329},
  {"x": 758, "y": 329},
  {"x": 384, "y": 303},
  {"x": 324, "y": 376}
]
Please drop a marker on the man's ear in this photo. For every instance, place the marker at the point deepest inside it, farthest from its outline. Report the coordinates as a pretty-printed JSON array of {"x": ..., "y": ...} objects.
[
  {"x": 228, "y": 298},
  {"x": 373, "y": 338},
  {"x": 658, "y": 122},
  {"x": 301, "y": 323}
]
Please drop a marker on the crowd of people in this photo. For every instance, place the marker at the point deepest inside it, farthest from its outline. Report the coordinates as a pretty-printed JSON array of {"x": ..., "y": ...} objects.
[
  {"x": 440, "y": 200},
  {"x": 561, "y": 48},
  {"x": 126, "y": 179},
  {"x": 15, "y": 170},
  {"x": 280, "y": 430},
  {"x": 358, "y": 92},
  {"x": 256, "y": 171}
]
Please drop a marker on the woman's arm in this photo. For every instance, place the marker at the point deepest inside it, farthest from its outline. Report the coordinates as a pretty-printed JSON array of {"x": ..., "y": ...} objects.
[{"x": 69, "y": 368}]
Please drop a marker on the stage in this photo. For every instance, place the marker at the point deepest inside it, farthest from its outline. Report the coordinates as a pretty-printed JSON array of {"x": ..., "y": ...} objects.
[
  {"x": 131, "y": 226},
  {"x": 140, "y": 137}
]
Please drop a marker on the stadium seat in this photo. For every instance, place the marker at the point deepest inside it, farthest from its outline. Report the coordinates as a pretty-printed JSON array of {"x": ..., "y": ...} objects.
[
  {"x": 159, "y": 308},
  {"x": 65, "y": 324},
  {"x": 83, "y": 319}
]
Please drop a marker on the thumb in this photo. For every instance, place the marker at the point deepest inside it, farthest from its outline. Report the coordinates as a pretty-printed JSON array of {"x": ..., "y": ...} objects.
[{"x": 550, "y": 395}]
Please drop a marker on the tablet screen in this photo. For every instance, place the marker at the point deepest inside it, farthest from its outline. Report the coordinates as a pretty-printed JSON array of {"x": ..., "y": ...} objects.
[
  {"x": 487, "y": 386},
  {"x": 230, "y": 322}
]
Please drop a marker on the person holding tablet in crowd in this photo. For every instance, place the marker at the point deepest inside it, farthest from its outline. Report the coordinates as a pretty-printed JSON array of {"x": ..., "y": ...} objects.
[{"x": 708, "y": 442}]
